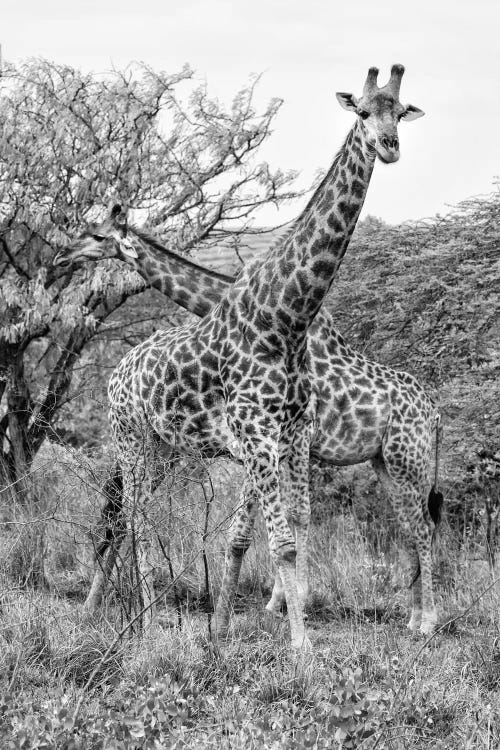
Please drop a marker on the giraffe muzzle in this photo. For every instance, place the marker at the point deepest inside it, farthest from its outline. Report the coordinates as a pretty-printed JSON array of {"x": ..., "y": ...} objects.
[{"x": 388, "y": 149}]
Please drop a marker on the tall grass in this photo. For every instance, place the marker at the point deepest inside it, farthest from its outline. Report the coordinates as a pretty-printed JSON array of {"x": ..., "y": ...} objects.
[{"x": 367, "y": 681}]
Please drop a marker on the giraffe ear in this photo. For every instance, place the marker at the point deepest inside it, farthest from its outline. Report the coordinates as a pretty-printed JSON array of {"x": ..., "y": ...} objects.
[
  {"x": 411, "y": 113},
  {"x": 347, "y": 101},
  {"x": 127, "y": 248}
]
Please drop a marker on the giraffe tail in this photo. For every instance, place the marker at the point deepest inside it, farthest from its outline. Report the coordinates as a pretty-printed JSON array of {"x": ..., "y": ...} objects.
[
  {"x": 435, "y": 504},
  {"x": 435, "y": 500}
]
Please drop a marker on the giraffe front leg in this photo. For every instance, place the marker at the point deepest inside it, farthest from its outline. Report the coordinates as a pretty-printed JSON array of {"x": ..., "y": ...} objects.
[
  {"x": 145, "y": 573},
  {"x": 265, "y": 468},
  {"x": 96, "y": 593},
  {"x": 294, "y": 494},
  {"x": 239, "y": 541},
  {"x": 277, "y": 601},
  {"x": 299, "y": 505}
]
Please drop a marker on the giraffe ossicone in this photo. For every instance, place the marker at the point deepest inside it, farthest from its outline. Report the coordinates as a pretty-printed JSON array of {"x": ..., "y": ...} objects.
[{"x": 241, "y": 372}]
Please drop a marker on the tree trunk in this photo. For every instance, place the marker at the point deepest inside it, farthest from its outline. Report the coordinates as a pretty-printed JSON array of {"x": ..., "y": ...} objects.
[{"x": 18, "y": 499}]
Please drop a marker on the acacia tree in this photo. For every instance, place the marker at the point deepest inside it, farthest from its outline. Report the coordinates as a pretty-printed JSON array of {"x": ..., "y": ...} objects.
[{"x": 69, "y": 144}]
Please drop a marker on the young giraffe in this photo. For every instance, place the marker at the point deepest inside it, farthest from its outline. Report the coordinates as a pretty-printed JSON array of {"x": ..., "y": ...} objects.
[
  {"x": 362, "y": 410},
  {"x": 238, "y": 377}
]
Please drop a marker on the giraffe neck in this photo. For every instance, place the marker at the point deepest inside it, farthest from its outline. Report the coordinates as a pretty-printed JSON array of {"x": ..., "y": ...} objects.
[
  {"x": 291, "y": 283},
  {"x": 193, "y": 287}
]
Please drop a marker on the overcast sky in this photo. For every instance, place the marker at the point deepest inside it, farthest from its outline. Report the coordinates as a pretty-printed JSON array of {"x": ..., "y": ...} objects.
[{"x": 307, "y": 50}]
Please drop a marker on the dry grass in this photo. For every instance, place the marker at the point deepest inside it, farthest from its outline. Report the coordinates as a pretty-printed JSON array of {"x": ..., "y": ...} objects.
[{"x": 250, "y": 691}]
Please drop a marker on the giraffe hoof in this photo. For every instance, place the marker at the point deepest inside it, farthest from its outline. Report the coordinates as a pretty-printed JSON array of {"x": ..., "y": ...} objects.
[
  {"x": 221, "y": 628},
  {"x": 277, "y": 609},
  {"x": 221, "y": 634},
  {"x": 415, "y": 620},
  {"x": 428, "y": 626},
  {"x": 165, "y": 621},
  {"x": 302, "y": 645}
]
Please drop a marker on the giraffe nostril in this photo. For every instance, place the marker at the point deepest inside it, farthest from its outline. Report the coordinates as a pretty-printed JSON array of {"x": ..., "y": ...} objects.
[{"x": 390, "y": 143}]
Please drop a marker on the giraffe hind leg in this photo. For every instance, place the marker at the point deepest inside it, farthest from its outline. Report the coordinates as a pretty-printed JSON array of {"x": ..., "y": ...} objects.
[
  {"x": 240, "y": 538},
  {"x": 417, "y": 527}
]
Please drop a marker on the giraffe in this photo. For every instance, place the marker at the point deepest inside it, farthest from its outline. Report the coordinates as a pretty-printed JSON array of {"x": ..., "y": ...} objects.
[
  {"x": 362, "y": 410},
  {"x": 236, "y": 383}
]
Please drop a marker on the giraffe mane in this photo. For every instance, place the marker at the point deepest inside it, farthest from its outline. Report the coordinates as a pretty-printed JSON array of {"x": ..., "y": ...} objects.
[
  {"x": 327, "y": 174},
  {"x": 152, "y": 242},
  {"x": 279, "y": 241},
  {"x": 283, "y": 239}
]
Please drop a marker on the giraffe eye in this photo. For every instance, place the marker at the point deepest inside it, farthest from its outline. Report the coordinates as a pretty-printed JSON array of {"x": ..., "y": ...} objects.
[
  {"x": 363, "y": 114},
  {"x": 98, "y": 237}
]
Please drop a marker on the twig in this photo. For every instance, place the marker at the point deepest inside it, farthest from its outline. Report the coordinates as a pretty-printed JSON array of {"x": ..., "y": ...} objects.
[
  {"x": 110, "y": 649},
  {"x": 453, "y": 619},
  {"x": 15, "y": 672},
  {"x": 208, "y": 597},
  {"x": 120, "y": 636},
  {"x": 177, "y": 601},
  {"x": 440, "y": 629}
]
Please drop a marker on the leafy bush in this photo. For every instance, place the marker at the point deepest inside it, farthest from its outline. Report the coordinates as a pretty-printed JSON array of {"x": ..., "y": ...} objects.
[{"x": 145, "y": 718}]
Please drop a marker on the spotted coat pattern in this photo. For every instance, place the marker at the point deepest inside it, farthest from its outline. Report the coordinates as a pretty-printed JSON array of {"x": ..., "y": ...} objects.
[{"x": 237, "y": 382}]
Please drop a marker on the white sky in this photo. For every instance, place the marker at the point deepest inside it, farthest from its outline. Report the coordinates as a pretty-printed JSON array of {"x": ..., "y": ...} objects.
[{"x": 307, "y": 50}]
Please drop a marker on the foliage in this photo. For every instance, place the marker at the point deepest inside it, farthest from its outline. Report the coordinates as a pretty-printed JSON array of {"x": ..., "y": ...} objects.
[
  {"x": 425, "y": 295},
  {"x": 146, "y": 718},
  {"x": 351, "y": 715},
  {"x": 69, "y": 144},
  {"x": 158, "y": 715}
]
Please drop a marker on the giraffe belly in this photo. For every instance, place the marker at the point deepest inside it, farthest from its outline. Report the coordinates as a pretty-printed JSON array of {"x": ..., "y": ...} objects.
[
  {"x": 330, "y": 450},
  {"x": 349, "y": 436},
  {"x": 205, "y": 432}
]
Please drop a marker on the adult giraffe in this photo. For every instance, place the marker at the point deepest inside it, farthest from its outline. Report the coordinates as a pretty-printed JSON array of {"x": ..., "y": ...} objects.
[{"x": 239, "y": 376}]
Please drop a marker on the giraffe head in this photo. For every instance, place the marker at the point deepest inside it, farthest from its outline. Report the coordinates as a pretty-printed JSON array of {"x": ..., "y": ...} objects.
[
  {"x": 380, "y": 111},
  {"x": 105, "y": 240}
]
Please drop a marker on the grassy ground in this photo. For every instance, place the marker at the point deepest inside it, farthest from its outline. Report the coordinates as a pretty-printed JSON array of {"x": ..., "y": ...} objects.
[
  {"x": 363, "y": 677},
  {"x": 367, "y": 683}
]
